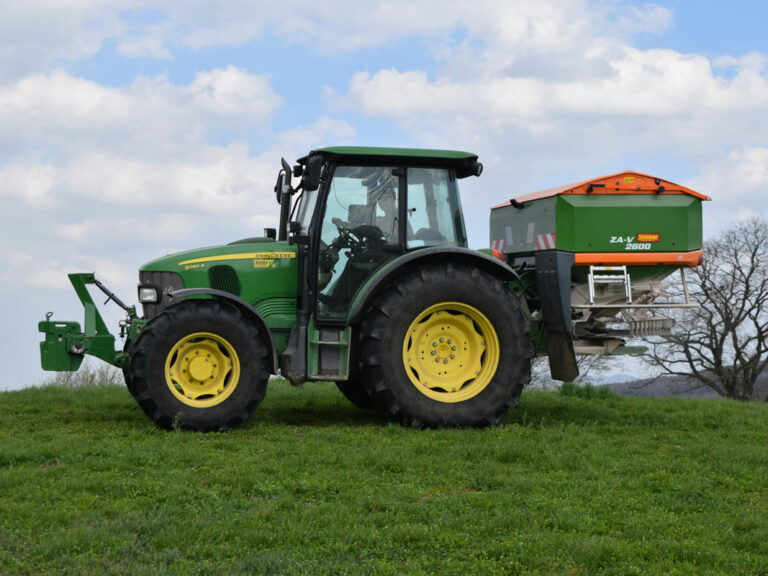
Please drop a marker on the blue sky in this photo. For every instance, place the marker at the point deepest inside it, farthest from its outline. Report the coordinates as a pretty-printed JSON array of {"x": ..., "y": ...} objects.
[{"x": 129, "y": 130}]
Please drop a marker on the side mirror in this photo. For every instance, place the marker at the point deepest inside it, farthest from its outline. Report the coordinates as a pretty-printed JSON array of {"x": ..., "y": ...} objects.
[
  {"x": 279, "y": 186},
  {"x": 313, "y": 172}
]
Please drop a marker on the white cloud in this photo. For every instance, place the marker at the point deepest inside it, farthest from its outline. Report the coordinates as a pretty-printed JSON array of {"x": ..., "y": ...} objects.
[
  {"x": 737, "y": 182},
  {"x": 32, "y": 183},
  {"x": 739, "y": 175},
  {"x": 234, "y": 95},
  {"x": 645, "y": 103},
  {"x": 150, "y": 45},
  {"x": 151, "y": 115},
  {"x": 38, "y": 33},
  {"x": 546, "y": 86},
  {"x": 104, "y": 178},
  {"x": 650, "y": 83},
  {"x": 753, "y": 61},
  {"x": 96, "y": 170},
  {"x": 650, "y": 19},
  {"x": 554, "y": 92}
]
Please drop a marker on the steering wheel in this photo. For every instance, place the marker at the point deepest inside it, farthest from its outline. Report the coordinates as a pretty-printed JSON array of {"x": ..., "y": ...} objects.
[
  {"x": 363, "y": 237},
  {"x": 326, "y": 265}
]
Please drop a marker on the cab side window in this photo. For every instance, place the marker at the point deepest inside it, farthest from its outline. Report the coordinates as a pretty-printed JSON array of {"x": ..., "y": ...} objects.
[{"x": 434, "y": 214}]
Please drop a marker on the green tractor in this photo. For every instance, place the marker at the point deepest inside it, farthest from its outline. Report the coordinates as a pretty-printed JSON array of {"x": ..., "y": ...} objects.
[{"x": 368, "y": 283}]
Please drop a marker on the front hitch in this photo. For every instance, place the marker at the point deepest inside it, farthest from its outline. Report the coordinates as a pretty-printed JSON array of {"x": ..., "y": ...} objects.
[{"x": 66, "y": 345}]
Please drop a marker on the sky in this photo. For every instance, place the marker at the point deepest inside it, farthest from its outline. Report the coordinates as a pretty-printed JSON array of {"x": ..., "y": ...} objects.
[{"x": 130, "y": 129}]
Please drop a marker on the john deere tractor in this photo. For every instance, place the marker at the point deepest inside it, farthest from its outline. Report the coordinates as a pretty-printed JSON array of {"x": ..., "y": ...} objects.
[{"x": 369, "y": 283}]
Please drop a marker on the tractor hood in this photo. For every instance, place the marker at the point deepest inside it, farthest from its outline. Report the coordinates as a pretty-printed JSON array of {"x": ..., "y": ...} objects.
[
  {"x": 253, "y": 270},
  {"x": 255, "y": 252}
]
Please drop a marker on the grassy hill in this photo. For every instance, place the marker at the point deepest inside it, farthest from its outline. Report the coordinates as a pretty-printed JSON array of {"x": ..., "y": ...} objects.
[{"x": 566, "y": 485}]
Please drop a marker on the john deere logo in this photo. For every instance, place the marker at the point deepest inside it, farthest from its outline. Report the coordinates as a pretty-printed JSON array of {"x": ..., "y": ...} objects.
[
  {"x": 655, "y": 237},
  {"x": 258, "y": 258}
]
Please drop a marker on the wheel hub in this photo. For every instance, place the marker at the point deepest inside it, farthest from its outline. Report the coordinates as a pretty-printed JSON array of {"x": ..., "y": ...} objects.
[
  {"x": 200, "y": 369},
  {"x": 443, "y": 349}
]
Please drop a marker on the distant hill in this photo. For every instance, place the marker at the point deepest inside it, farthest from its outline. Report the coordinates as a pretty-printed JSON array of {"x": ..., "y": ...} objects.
[{"x": 683, "y": 386}]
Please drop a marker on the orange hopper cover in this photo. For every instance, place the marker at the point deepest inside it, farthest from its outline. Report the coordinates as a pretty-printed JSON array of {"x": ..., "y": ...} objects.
[{"x": 627, "y": 182}]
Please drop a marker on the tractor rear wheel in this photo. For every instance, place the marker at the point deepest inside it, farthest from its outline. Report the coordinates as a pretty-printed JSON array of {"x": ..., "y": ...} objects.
[
  {"x": 446, "y": 345},
  {"x": 199, "y": 365},
  {"x": 356, "y": 393}
]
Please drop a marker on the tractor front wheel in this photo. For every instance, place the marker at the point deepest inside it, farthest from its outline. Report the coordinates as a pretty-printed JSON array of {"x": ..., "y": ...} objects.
[
  {"x": 126, "y": 374},
  {"x": 446, "y": 345},
  {"x": 199, "y": 365}
]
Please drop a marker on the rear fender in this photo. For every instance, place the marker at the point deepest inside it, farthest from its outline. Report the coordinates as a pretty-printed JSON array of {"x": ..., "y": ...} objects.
[{"x": 418, "y": 258}]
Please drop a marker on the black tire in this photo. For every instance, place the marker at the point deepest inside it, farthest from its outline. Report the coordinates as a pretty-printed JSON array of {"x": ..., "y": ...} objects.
[
  {"x": 126, "y": 375},
  {"x": 230, "y": 386},
  {"x": 356, "y": 393},
  {"x": 403, "y": 332}
]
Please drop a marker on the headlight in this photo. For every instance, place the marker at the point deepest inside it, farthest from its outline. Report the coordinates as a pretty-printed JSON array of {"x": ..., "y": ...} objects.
[{"x": 148, "y": 295}]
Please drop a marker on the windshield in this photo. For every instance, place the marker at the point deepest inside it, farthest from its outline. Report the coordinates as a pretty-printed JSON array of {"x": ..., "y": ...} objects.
[{"x": 306, "y": 207}]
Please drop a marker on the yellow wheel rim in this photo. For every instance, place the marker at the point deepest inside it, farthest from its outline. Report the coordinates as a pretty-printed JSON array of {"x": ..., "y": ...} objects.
[
  {"x": 451, "y": 352},
  {"x": 202, "y": 370}
]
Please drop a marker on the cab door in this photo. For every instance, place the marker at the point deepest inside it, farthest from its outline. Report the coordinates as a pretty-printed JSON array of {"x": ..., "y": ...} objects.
[{"x": 360, "y": 231}]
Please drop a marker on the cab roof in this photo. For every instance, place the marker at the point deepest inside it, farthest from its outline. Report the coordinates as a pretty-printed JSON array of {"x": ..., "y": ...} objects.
[{"x": 463, "y": 163}]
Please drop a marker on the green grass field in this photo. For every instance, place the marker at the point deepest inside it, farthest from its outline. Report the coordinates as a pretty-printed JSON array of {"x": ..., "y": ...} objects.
[{"x": 311, "y": 485}]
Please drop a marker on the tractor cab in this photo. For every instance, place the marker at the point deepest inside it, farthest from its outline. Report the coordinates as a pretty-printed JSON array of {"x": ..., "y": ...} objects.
[
  {"x": 357, "y": 210},
  {"x": 360, "y": 208}
]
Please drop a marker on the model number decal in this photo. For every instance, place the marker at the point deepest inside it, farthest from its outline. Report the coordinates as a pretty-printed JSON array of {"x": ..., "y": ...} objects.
[{"x": 629, "y": 243}]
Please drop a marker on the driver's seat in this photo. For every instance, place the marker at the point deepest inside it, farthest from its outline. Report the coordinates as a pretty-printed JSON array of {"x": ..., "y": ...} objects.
[{"x": 359, "y": 214}]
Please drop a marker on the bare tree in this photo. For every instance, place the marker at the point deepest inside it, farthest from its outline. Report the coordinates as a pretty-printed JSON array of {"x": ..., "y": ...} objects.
[
  {"x": 723, "y": 344},
  {"x": 100, "y": 374},
  {"x": 589, "y": 367}
]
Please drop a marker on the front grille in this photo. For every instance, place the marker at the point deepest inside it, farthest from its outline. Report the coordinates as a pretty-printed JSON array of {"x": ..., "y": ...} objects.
[
  {"x": 224, "y": 278},
  {"x": 163, "y": 281}
]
